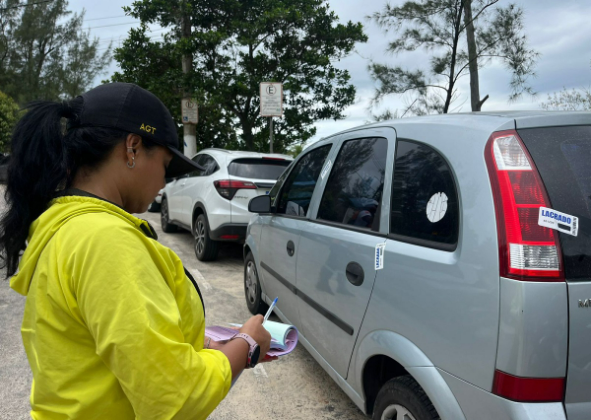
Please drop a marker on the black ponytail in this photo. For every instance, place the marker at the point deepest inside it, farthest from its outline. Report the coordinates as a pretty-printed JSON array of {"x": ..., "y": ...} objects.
[{"x": 47, "y": 152}]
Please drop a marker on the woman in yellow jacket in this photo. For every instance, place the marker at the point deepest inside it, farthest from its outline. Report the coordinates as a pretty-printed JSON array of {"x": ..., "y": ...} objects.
[{"x": 113, "y": 324}]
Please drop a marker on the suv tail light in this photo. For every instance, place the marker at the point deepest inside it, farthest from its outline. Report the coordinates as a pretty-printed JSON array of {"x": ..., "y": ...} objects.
[
  {"x": 227, "y": 188},
  {"x": 527, "y": 251}
]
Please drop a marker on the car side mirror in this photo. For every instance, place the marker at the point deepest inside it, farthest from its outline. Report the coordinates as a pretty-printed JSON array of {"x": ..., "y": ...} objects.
[{"x": 260, "y": 204}]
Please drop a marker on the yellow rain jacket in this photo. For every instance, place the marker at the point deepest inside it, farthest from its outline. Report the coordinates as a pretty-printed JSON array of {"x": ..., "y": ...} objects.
[{"x": 113, "y": 328}]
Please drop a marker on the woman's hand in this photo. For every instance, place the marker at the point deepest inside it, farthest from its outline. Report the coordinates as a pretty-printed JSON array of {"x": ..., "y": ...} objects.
[{"x": 254, "y": 328}]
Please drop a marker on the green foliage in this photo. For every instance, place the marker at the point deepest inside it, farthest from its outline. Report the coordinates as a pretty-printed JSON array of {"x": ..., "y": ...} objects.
[
  {"x": 295, "y": 150},
  {"x": 235, "y": 45},
  {"x": 45, "y": 53},
  {"x": 438, "y": 27},
  {"x": 9, "y": 115},
  {"x": 569, "y": 100}
]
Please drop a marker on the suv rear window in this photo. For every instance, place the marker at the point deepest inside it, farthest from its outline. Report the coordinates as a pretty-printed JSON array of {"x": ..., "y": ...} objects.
[
  {"x": 258, "y": 168},
  {"x": 562, "y": 156}
]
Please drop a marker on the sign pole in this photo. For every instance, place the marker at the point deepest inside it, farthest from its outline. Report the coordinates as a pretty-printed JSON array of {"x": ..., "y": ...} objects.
[
  {"x": 271, "y": 134},
  {"x": 271, "y": 104}
]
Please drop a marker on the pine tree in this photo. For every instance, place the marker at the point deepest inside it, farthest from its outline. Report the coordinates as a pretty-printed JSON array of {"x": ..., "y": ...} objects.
[
  {"x": 462, "y": 36},
  {"x": 45, "y": 53}
]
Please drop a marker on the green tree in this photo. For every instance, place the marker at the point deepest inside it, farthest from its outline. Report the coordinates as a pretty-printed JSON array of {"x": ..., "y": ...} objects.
[
  {"x": 462, "y": 37},
  {"x": 156, "y": 66},
  {"x": 45, "y": 53},
  {"x": 235, "y": 45},
  {"x": 9, "y": 115},
  {"x": 295, "y": 150},
  {"x": 578, "y": 99}
]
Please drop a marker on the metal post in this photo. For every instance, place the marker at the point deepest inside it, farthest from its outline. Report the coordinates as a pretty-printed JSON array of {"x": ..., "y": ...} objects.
[
  {"x": 271, "y": 134},
  {"x": 189, "y": 130}
]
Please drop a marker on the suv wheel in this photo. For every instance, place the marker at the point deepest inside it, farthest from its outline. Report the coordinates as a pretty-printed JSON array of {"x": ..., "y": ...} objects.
[
  {"x": 252, "y": 287},
  {"x": 164, "y": 220},
  {"x": 154, "y": 207},
  {"x": 403, "y": 398},
  {"x": 206, "y": 249}
]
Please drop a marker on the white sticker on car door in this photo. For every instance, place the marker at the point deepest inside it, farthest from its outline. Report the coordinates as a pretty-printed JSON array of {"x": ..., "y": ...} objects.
[
  {"x": 559, "y": 221},
  {"x": 379, "y": 256}
]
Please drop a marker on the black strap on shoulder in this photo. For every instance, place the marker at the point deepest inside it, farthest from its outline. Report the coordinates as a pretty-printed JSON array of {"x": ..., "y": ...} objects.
[
  {"x": 148, "y": 230},
  {"x": 196, "y": 288}
]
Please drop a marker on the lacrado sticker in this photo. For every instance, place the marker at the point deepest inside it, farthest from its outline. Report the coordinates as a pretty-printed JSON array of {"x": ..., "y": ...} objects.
[{"x": 559, "y": 221}]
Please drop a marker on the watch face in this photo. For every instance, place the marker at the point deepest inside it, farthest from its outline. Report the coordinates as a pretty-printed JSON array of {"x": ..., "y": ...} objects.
[{"x": 254, "y": 358}]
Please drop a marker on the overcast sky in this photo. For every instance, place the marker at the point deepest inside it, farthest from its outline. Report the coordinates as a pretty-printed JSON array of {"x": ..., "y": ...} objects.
[{"x": 558, "y": 30}]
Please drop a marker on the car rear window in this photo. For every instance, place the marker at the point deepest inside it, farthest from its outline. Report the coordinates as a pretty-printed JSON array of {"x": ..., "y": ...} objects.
[
  {"x": 563, "y": 158},
  {"x": 258, "y": 168}
]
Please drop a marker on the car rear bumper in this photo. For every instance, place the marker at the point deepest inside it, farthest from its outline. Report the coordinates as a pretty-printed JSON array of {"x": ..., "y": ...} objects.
[
  {"x": 231, "y": 232},
  {"x": 478, "y": 404}
]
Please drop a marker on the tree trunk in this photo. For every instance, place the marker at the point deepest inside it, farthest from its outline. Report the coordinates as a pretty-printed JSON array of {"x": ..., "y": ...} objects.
[
  {"x": 247, "y": 135},
  {"x": 452, "y": 66},
  {"x": 473, "y": 58}
]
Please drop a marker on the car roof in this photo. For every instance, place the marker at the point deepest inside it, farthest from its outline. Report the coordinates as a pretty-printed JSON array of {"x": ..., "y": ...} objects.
[
  {"x": 236, "y": 154},
  {"x": 487, "y": 122}
]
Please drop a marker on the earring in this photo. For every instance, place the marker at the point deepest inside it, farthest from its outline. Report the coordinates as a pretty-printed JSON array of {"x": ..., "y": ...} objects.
[{"x": 130, "y": 150}]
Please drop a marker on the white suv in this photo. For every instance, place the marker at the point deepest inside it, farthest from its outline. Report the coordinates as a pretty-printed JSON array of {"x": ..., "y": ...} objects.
[{"x": 213, "y": 203}]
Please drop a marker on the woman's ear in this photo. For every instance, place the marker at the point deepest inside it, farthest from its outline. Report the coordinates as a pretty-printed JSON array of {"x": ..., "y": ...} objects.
[{"x": 133, "y": 141}]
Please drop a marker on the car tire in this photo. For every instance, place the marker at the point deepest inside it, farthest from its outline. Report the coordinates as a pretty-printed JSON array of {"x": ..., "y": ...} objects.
[
  {"x": 252, "y": 287},
  {"x": 206, "y": 249},
  {"x": 403, "y": 397},
  {"x": 154, "y": 207},
  {"x": 164, "y": 220}
]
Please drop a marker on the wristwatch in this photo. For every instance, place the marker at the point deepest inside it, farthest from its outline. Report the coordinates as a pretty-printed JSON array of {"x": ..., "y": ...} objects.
[{"x": 253, "y": 352}]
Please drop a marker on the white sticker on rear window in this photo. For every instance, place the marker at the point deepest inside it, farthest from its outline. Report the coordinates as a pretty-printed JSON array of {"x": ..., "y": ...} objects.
[
  {"x": 379, "y": 256},
  {"x": 556, "y": 220},
  {"x": 437, "y": 207},
  {"x": 326, "y": 169}
]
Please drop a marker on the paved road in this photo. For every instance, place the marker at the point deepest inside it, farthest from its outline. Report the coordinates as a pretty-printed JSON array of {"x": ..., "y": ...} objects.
[{"x": 294, "y": 387}]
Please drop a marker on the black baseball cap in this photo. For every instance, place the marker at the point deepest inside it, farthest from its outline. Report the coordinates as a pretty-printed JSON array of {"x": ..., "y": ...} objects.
[{"x": 130, "y": 108}]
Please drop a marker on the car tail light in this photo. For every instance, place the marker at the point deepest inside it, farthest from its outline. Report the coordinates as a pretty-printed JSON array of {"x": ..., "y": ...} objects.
[
  {"x": 527, "y": 251},
  {"x": 528, "y": 389},
  {"x": 227, "y": 188}
]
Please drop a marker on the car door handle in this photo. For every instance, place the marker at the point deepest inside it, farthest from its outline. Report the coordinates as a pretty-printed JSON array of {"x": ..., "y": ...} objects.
[
  {"x": 290, "y": 248},
  {"x": 355, "y": 274}
]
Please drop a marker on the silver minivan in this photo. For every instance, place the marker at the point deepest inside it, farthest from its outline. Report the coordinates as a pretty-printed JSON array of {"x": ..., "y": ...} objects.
[{"x": 438, "y": 267}]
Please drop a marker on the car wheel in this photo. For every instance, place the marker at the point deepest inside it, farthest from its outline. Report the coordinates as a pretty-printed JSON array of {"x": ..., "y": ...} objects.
[
  {"x": 154, "y": 207},
  {"x": 252, "y": 287},
  {"x": 403, "y": 398},
  {"x": 206, "y": 249},
  {"x": 164, "y": 220}
]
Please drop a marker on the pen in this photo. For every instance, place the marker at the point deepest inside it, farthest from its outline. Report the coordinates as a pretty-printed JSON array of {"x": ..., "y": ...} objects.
[{"x": 270, "y": 310}]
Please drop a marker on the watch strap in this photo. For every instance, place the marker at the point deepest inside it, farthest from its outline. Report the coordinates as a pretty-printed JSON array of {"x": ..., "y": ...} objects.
[{"x": 252, "y": 347}]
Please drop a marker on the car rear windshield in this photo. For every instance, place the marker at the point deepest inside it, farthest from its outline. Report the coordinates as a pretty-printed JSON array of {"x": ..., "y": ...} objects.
[
  {"x": 563, "y": 158},
  {"x": 258, "y": 168}
]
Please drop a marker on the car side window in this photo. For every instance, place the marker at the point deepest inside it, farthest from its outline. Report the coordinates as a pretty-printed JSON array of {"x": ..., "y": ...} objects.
[
  {"x": 353, "y": 192},
  {"x": 275, "y": 190},
  {"x": 209, "y": 164},
  {"x": 424, "y": 206},
  {"x": 197, "y": 159},
  {"x": 296, "y": 193}
]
